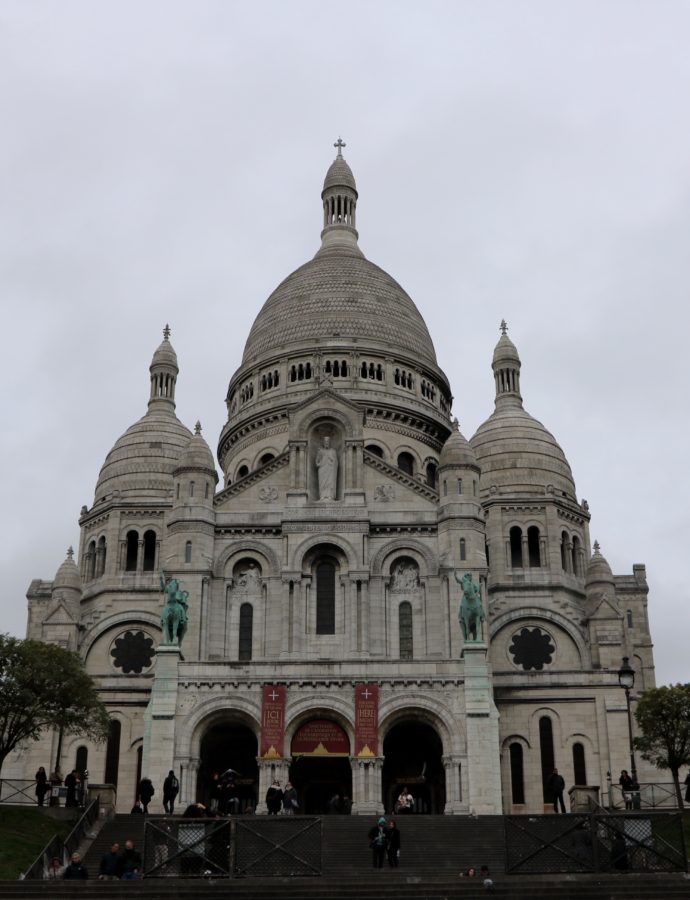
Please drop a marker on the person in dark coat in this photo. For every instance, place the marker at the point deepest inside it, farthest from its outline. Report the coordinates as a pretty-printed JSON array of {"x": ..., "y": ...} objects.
[
  {"x": 71, "y": 783},
  {"x": 171, "y": 788},
  {"x": 137, "y": 809},
  {"x": 334, "y": 805},
  {"x": 556, "y": 785},
  {"x": 42, "y": 786},
  {"x": 129, "y": 864},
  {"x": 377, "y": 842},
  {"x": 290, "y": 801},
  {"x": 146, "y": 792},
  {"x": 274, "y": 799},
  {"x": 393, "y": 844},
  {"x": 108, "y": 869},
  {"x": 76, "y": 870}
]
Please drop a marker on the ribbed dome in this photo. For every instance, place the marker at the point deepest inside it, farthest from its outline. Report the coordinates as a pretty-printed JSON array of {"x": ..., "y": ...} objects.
[
  {"x": 165, "y": 354},
  {"x": 599, "y": 574},
  {"x": 515, "y": 450},
  {"x": 67, "y": 576},
  {"x": 457, "y": 450},
  {"x": 339, "y": 175},
  {"x": 197, "y": 454},
  {"x": 339, "y": 296},
  {"x": 142, "y": 461},
  {"x": 505, "y": 351}
]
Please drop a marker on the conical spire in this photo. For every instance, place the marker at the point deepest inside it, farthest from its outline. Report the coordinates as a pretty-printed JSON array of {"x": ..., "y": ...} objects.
[
  {"x": 339, "y": 197},
  {"x": 506, "y": 365},
  {"x": 164, "y": 371}
]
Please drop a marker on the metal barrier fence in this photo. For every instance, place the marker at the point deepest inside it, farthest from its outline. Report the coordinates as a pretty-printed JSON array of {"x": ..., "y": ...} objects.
[
  {"x": 17, "y": 791},
  {"x": 63, "y": 849},
  {"x": 651, "y": 795},
  {"x": 252, "y": 847},
  {"x": 634, "y": 842}
]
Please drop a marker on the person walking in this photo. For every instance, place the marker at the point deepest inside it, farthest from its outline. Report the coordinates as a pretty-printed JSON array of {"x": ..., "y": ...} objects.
[
  {"x": 290, "y": 801},
  {"x": 146, "y": 792},
  {"x": 274, "y": 798},
  {"x": 556, "y": 785},
  {"x": 393, "y": 844},
  {"x": 171, "y": 788},
  {"x": 377, "y": 842},
  {"x": 42, "y": 785}
]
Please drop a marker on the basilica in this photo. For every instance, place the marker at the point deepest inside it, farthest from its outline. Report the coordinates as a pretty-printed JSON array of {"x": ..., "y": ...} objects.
[{"x": 316, "y": 566}]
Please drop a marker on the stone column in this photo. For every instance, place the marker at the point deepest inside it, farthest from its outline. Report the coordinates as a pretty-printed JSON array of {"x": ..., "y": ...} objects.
[
  {"x": 159, "y": 720},
  {"x": 366, "y": 786},
  {"x": 270, "y": 770},
  {"x": 483, "y": 759},
  {"x": 454, "y": 804}
]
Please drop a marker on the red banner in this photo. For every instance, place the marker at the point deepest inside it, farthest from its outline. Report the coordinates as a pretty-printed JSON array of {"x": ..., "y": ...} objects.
[
  {"x": 272, "y": 721},
  {"x": 320, "y": 737},
  {"x": 366, "y": 720}
]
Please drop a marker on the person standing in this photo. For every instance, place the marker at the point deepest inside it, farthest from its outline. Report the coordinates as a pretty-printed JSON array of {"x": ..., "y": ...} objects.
[
  {"x": 556, "y": 785},
  {"x": 171, "y": 788},
  {"x": 71, "y": 783},
  {"x": 290, "y": 802},
  {"x": 146, "y": 792},
  {"x": 393, "y": 844},
  {"x": 76, "y": 870},
  {"x": 42, "y": 786},
  {"x": 377, "y": 842},
  {"x": 274, "y": 798},
  {"x": 626, "y": 784}
]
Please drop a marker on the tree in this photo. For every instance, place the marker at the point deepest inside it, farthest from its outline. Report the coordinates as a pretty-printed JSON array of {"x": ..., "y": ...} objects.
[
  {"x": 663, "y": 715},
  {"x": 45, "y": 686}
]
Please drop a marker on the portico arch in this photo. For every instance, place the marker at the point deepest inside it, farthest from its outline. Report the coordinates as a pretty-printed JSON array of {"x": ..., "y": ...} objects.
[{"x": 228, "y": 772}]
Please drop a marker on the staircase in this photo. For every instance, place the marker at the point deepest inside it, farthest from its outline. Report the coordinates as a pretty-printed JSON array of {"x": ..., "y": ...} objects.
[{"x": 120, "y": 828}]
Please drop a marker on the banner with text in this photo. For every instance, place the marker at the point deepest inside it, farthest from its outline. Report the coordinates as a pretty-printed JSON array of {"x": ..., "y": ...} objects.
[
  {"x": 320, "y": 737},
  {"x": 272, "y": 721},
  {"x": 366, "y": 720}
]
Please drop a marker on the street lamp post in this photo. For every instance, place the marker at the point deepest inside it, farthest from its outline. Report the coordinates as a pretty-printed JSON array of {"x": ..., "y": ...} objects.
[{"x": 626, "y": 679}]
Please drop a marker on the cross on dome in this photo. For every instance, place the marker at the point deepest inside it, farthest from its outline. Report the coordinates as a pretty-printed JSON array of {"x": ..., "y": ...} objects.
[
  {"x": 70, "y": 552},
  {"x": 166, "y": 332},
  {"x": 504, "y": 326},
  {"x": 197, "y": 427},
  {"x": 340, "y": 143}
]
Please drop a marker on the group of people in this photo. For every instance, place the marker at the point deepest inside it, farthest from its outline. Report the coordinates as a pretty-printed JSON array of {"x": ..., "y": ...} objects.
[
  {"x": 384, "y": 841},
  {"x": 484, "y": 874},
  {"x": 115, "y": 865},
  {"x": 45, "y": 783},
  {"x": 146, "y": 790},
  {"x": 284, "y": 799},
  {"x": 224, "y": 795}
]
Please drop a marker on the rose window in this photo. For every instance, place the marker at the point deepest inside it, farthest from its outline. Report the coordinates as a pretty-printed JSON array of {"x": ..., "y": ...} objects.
[
  {"x": 532, "y": 648},
  {"x": 132, "y": 652}
]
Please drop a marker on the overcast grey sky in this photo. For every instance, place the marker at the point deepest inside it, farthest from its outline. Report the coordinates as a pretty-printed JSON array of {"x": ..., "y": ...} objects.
[{"x": 163, "y": 161}]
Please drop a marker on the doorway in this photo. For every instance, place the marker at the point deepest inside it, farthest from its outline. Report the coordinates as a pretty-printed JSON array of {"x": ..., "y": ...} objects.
[
  {"x": 413, "y": 754},
  {"x": 318, "y": 779},
  {"x": 229, "y": 746}
]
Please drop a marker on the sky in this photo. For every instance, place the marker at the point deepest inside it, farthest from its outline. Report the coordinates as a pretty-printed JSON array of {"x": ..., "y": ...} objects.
[{"x": 162, "y": 162}]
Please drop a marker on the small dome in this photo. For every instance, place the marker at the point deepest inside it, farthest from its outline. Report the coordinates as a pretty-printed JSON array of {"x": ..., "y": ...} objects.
[
  {"x": 339, "y": 174},
  {"x": 505, "y": 351},
  {"x": 599, "y": 574},
  {"x": 67, "y": 576},
  {"x": 142, "y": 461},
  {"x": 165, "y": 355},
  {"x": 515, "y": 450},
  {"x": 457, "y": 450},
  {"x": 197, "y": 455}
]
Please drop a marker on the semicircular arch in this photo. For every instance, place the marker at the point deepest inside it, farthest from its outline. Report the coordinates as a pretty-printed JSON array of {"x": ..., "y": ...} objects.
[
  {"x": 213, "y": 712},
  {"x": 535, "y": 613},
  {"x": 424, "y": 709},
  {"x": 326, "y": 538},
  {"x": 235, "y": 551},
  {"x": 319, "y": 706},
  {"x": 416, "y": 549},
  {"x": 131, "y": 619}
]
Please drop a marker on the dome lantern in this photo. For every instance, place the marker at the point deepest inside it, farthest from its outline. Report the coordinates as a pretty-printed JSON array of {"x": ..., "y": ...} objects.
[
  {"x": 164, "y": 371},
  {"x": 506, "y": 366},
  {"x": 339, "y": 196}
]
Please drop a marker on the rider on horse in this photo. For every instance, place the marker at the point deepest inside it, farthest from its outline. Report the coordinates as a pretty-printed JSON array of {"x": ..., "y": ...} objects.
[
  {"x": 471, "y": 612},
  {"x": 174, "y": 615}
]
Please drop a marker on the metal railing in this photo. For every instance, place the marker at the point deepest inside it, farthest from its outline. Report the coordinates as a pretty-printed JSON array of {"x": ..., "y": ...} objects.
[
  {"x": 651, "y": 795},
  {"x": 64, "y": 848},
  {"x": 16, "y": 791}
]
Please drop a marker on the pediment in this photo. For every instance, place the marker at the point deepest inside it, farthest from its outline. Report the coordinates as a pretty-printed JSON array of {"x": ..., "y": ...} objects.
[
  {"x": 325, "y": 405},
  {"x": 605, "y": 608},
  {"x": 267, "y": 483},
  {"x": 59, "y": 615},
  {"x": 390, "y": 485}
]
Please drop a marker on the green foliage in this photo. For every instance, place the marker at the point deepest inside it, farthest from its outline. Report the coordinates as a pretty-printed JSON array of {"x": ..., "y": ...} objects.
[
  {"x": 24, "y": 832},
  {"x": 45, "y": 686},
  {"x": 663, "y": 716}
]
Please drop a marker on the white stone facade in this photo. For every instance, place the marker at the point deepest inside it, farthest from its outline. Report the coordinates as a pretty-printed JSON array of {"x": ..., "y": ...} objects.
[{"x": 319, "y": 595}]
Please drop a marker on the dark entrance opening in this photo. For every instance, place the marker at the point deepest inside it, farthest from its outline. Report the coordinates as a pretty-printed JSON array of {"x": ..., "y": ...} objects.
[
  {"x": 229, "y": 746},
  {"x": 318, "y": 779},
  {"x": 413, "y": 759}
]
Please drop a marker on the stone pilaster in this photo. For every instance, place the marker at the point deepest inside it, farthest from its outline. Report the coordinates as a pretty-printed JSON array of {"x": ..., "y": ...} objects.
[
  {"x": 270, "y": 770},
  {"x": 366, "y": 786},
  {"x": 159, "y": 729},
  {"x": 483, "y": 758}
]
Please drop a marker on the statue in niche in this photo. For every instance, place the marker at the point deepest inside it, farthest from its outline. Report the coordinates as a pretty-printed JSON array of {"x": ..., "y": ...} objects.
[
  {"x": 327, "y": 469},
  {"x": 405, "y": 576},
  {"x": 249, "y": 579},
  {"x": 174, "y": 614},
  {"x": 471, "y": 612}
]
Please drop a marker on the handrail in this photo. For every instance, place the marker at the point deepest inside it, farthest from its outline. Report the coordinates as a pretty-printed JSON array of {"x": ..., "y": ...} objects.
[
  {"x": 650, "y": 795},
  {"x": 56, "y": 846}
]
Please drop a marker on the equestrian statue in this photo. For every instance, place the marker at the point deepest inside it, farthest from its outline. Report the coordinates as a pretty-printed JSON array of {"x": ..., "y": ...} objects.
[
  {"x": 471, "y": 612},
  {"x": 174, "y": 615}
]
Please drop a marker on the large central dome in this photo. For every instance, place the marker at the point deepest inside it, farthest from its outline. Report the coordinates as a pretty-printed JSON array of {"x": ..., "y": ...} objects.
[{"x": 339, "y": 296}]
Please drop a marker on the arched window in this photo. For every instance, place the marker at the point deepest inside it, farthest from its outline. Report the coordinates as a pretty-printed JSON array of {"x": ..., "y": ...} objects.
[
  {"x": 82, "y": 759},
  {"x": 132, "y": 551},
  {"x": 188, "y": 552},
  {"x": 406, "y": 463},
  {"x": 405, "y": 629},
  {"x": 630, "y": 618},
  {"x": 547, "y": 756},
  {"x": 516, "y": 547},
  {"x": 576, "y": 556},
  {"x": 375, "y": 449},
  {"x": 533, "y": 547},
  {"x": 191, "y": 488},
  {"x": 564, "y": 551},
  {"x": 149, "y": 551},
  {"x": 91, "y": 560},
  {"x": 431, "y": 469},
  {"x": 266, "y": 459},
  {"x": 517, "y": 775},
  {"x": 246, "y": 630},
  {"x": 463, "y": 550},
  {"x": 112, "y": 753},
  {"x": 486, "y": 551},
  {"x": 579, "y": 768},
  {"x": 459, "y": 485},
  {"x": 325, "y": 597},
  {"x": 100, "y": 557},
  {"x": 243, "y": 471}
]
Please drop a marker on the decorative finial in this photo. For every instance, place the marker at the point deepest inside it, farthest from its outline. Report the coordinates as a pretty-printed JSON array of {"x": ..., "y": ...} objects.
[
  {"x": 197, "y": 427},
  {"x": 504, "y": 326},
  {"x": 70, "y": 553},
  {"x": 596, "y": 548},
  {"x": 340, "y": 143},
  {"x": 456, "y": 424},
  {"x": 166, "y": 332}
]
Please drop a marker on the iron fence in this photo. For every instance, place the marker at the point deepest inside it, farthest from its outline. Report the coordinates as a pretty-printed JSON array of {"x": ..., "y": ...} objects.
[
  {"x": 277, "y": 846},
  {"x": 576, "y": 843},
  {"x": 63, "y": 849},
  {"x": 187, "y": 848},
  {"x": 651, "y": 795},
  {"x": 16, "y": 791}
]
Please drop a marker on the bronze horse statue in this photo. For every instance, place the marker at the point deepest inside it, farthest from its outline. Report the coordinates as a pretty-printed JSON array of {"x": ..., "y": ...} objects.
[
  {"x": 174, "y": 614},
  {"x": 471, "y": 612}
]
